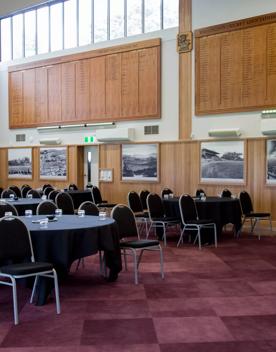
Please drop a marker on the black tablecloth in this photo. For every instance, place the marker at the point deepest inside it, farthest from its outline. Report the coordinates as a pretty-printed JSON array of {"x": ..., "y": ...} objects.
[
  {"x": 80, "y": 197},
  {"x": 70, "y": 238},
  {"x": 221, "y": 210},
  {"x": 22, "y": 204}
]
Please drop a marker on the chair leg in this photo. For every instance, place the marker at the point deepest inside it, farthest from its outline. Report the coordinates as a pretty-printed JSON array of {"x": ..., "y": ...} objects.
[
  {"x": 56, "y": 292},
  {"x": 164, "y": 235},
  {"x": 148, "y": 233},
  {"x": 215, "y": 236},
  {"x": 15, "y": 305},
  {"x": 139, "y": 258},
  {"x": 125, "y": 259},
  {"x": 135, "y": 267},
  {"x": 180, "y": 238},
  {"x": 34, "y": 288},
  {"x": 161, "y": 262},
  {"x": 199, "y": 238}
]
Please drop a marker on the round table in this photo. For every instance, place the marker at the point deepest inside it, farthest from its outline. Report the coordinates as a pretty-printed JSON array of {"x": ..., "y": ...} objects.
[
  {"x": 71, "y": 237},
  {"x": 22, "y": 204},
  {"x": 221, "y": 210}
]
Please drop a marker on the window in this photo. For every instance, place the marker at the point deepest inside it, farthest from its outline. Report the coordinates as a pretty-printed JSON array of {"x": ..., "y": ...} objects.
[
  {"x": 85, "y": 22},
  {"x": 30, "y": 33},
  {"x": 62, "y": 24},
  {"x": 56, "y": 27},
  {"x": 43, "y": 30},
  {"x": 117, "y": 23},
  {"x": 70, "y": 24},
  {"x": 17, "y": 36},
  {"x": 6, "y": 41}
]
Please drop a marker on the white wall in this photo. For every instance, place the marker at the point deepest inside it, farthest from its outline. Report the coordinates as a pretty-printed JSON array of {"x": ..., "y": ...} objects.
[
  {"x": 168, "y": 124},
  {"x": 208, "y": 13}
]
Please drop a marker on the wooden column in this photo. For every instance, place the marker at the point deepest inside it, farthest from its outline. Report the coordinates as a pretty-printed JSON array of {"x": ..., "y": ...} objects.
[{"x": 185, "y": 74}]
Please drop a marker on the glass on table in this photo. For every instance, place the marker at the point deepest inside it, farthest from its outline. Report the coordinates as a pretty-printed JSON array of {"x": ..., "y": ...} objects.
[
  {"x": 28, "y": 213},
  {"x": 171, "y": 195},
  {"x": 102, "y": 215},
  {"x": 43, "y": 223},
  {"x": 58, "y": 212},
  {"x": 81, "y": 213},
  {"x": 29, "y": 196},
  {"x": 7, "y": 214},
  {"x": 44, "y": 197},
  {"x": 11, "y": 196}
]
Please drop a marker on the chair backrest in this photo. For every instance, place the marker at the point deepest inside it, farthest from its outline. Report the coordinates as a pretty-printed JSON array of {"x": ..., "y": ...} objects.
[
  {"x": 166, "y": 191},
  {"x": 89, "y": 208},
  {"x": 15, "y": 240},
  {"x": 72, "y": 187},
  {"x": 125, "y": 220},
  {"x": 134, "y": 202},
  {"x": 65, "y": 202},
  {"x": 246, "y": 203},
  {"x": 143, "y": 196},
  {"x": 226, "y": 193},
  {"x": 1, "y": 190},
  {"x": 16, "y": 190},
  {"x": 52, "y": 195},
  {"x": 46, "y": 208},
  {"x": 45, "y": 186},
  {"x": 155, "y": 206},
  {"x": 199, "y": 191},
  {"x": 187, "y": 208},
  {"x": 7, "y": 207},
  {"x": 25, "y": 190},
  {"x": 96, "y": 195},
  {"x": 34, "y": 193},
  {"x": 47, "y": 190},
  {"x": 6, "y": 193},
  {"x": 25, "y": 185},
  {"x": 89, "y": 185}
]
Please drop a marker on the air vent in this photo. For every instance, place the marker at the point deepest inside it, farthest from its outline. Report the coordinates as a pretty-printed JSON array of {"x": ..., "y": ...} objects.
[
  {"x": 20, "y": 138},
  {"x": 151, "y": 129}
]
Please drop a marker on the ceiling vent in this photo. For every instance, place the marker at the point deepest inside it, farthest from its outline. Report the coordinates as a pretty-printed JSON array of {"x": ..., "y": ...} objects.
[
  {"x": 115, "y": 134},
  {"x": 20, "y": 137},
  {"x": 151, "y": 129}
]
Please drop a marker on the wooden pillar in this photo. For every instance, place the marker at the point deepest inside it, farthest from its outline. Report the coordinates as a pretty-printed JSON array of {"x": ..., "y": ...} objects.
[{"x": 185, "y": 74}]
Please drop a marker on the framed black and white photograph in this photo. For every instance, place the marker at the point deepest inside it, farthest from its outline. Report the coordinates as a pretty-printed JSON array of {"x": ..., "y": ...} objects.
[
  {"x": 271, "y": 161},
  {"x": 223, "y": 162},
  {"x": 20, "y": 163},
  {"x": 53, "y": 163},
  {"x": 140, "y": 162}
]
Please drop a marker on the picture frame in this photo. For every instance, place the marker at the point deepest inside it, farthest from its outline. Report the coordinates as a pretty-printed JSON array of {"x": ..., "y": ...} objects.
[
  {"x": 270, "y": 162},
  {"x": 140, "y": 162},
  {"x": 20, "y": 163},
  {"x": 223, "y": 162},
  {"x": 106, "y": 175},
  {"x": 53, "y": 163}
]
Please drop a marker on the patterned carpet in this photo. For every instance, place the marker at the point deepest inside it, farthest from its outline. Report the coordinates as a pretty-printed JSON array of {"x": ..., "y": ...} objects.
[{"x": 214, "y": 300}]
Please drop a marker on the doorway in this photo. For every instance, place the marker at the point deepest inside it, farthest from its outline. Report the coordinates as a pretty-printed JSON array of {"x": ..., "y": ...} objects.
[{"x": 91, "y": 165}]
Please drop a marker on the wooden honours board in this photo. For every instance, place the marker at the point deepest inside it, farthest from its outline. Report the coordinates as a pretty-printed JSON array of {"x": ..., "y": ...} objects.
[
  {"x": 112, "y": 84},
  {"x": 236, "y": 66}
]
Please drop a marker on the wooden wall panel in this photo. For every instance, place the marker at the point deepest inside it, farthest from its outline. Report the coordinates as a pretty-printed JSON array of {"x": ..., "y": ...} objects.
[
  {"x": 28, "y": 97},
  {"x": 41, "y": 96},
  {"x": 82, "y": 90},
  {"x": 113, "y": 86},
  {"x": 54, "y": 93},
  {"x": 68, "y": 92},
  {"x": 16, "y": 98},
  {"x": 97, "y": 87}
]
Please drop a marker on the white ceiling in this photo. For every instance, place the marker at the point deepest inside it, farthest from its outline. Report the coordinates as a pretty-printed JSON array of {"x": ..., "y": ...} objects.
[{"x": 7, "y": 7}]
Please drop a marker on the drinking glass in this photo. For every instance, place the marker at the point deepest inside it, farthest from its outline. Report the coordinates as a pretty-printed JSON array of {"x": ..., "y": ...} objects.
[
  {"x": 58, "y": 212},
  {"x": 102, "y": 215},
  {"x": 81, "y": 213},
  {"x": 28, "y": 213}
]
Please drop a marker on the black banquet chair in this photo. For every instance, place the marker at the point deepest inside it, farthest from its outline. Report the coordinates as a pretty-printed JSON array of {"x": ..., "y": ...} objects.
[
  {"x": 97, "y": 199},
  {"x": 7, "y": 208},
  {"x": 226, "y": 193},
  {"x": 16, "y": 245},
  {"x": 46, "y": 186},
  {"x": 157, "y": 216},
  {"x": 25, "y": 190},
  {"x": 47, "y": 191},
  {"x": 143, "y": 197},
  {"x": 130, "y": 241},
  {"x": 199, "y": 192},
  {"x": 46, "y": 207},
  {"x": 52, "y": 195},
  {"x": 65, "y": 202},
  {"x": 16, "y": 190},
  {"x": 89, "y": 208},
  {"x": 166, "y": 191},
  {"x": 249, "y": 214},
  {"x": 142, "y": 217},
  {"x": 7, "y": 192},
  {"x": 191, "y": 221},
  {"x": 72, "y": 187},
  {"x": 34, "y": 193}
]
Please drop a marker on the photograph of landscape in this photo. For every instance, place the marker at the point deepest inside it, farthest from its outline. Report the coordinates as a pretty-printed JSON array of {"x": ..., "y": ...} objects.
[
  {"x": 271, "y": 161},
  {"x": 20, "y": 163},
  {"x": 53, "y": 163},
  {"x": 140, "y": 162},
  {"x": 222, "y": 162}
]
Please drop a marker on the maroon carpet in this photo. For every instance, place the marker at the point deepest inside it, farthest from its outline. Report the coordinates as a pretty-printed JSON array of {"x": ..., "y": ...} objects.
[{"x": 214, "y": 300}]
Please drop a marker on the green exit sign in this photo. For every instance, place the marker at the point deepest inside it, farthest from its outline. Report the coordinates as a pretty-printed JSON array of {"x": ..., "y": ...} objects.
[{"x": 89, "y": 139}]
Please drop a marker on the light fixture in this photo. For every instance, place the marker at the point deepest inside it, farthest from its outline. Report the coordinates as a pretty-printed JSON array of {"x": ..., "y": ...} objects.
[
  {"x": 269, "y": 114},
  {"x": 83, "y": 125},
  {"x": 50, "y": 141},
  {"x": 228, "y": 132}
]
